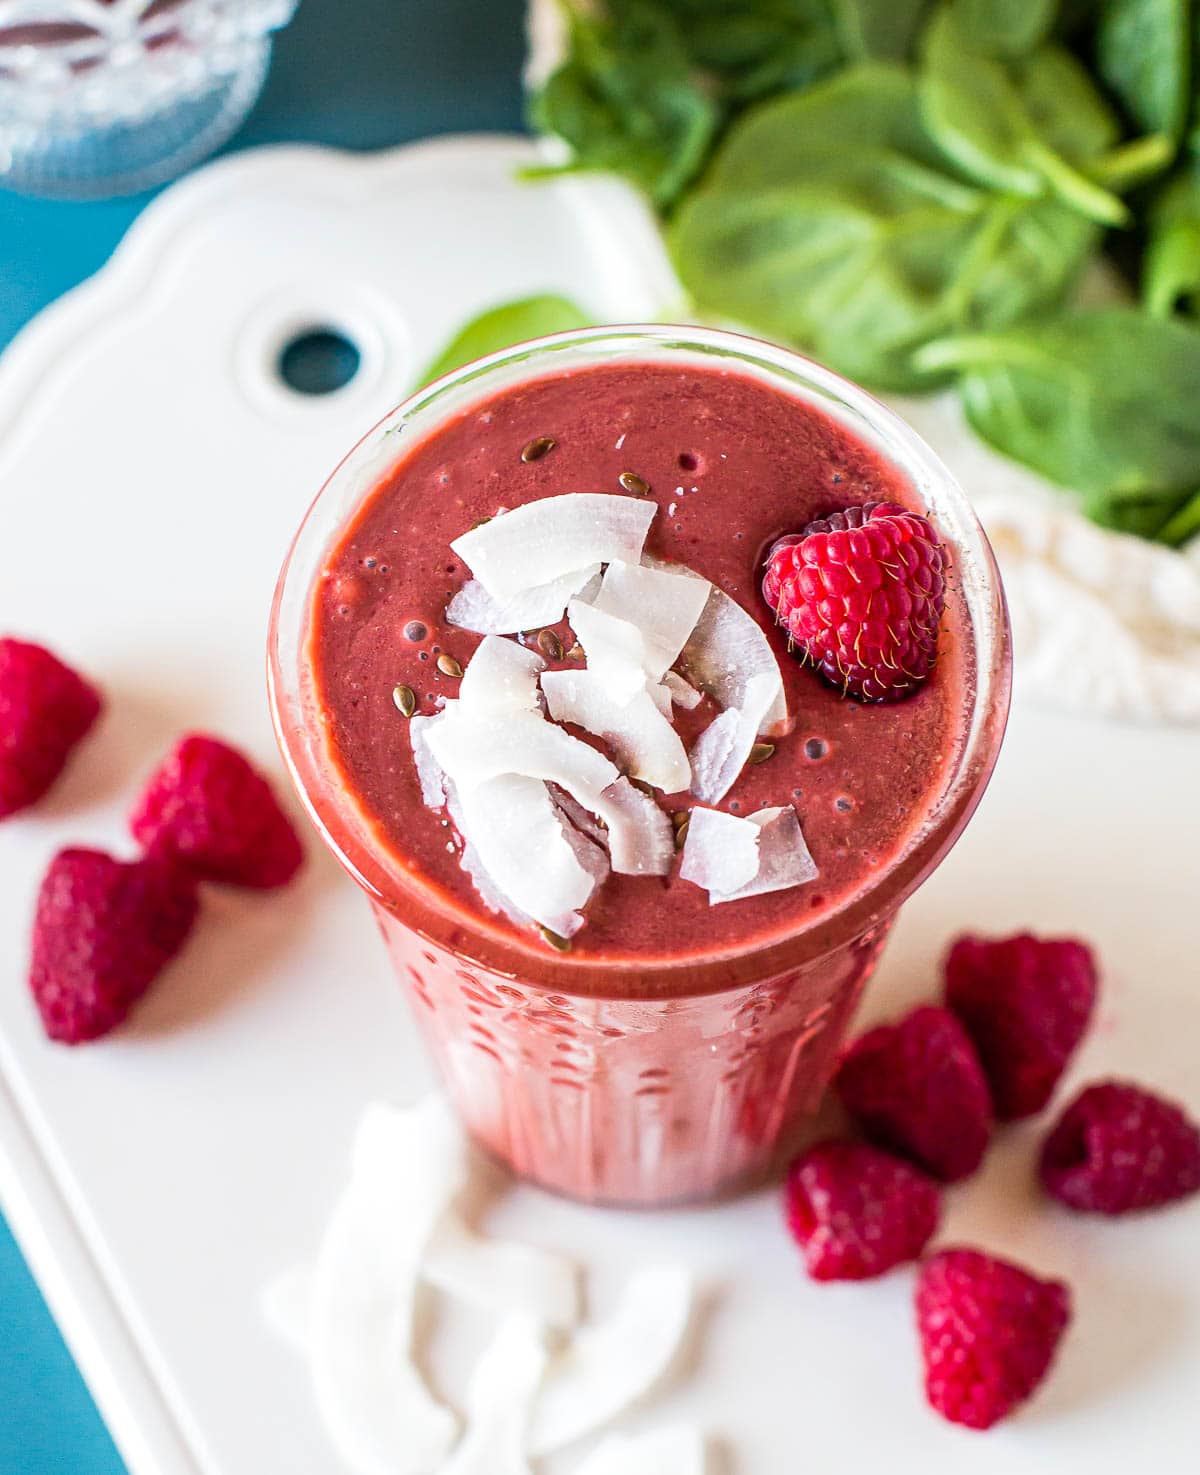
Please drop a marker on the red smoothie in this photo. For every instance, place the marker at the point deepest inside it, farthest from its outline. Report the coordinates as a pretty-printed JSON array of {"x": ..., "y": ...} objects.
[
  {"x": 674, "y": 1048},
  {"x": 731, "y": 463}
]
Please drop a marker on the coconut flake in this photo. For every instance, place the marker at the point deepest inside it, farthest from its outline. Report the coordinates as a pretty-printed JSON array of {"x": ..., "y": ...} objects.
[
  {"x": 473, "y": 608},
  {"x": 472, "y": 752},
  {"x": 720, "y": 752},
  {"x": 616, "y": 649},
  {"x": 500, "y": 678},
  {"x": 503, "y": 1387},
  {"x": 430, "y": 773},
  {"x": 732, "y": 858},
  {"x": 641, "y": 841},
  {"x": 612, "y": 1363},
  {"x": 510, "y": 820},
  {"x": 726, "y": 653},
  {"x": 408, "y": 1166},
  {"x": 501, "y": 1277},
  {"x": 637, "y": 733},
  {"x": 667, "y": 605},
  {"x": 533, "y": 545},
  {"x": 678, "y": 1450},
  {"x": 681, "y": 692},
  {"x": 489, "y": 893}
]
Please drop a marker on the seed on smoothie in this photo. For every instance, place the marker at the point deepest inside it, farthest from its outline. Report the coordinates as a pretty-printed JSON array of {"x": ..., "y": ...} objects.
[
  {"x": 680, "y": 818},
  {"x": 760, "y": 752},
  {"x": 415, "y": 631},
  {"x": 560, "y": 944},
  {"x": 815, "y": 749},
  {"x": 575, "y": 653},
  {"x": 632, "y": 482},
  {"x": 480, "y": 522},
  {"x": 681, "y": 833},
  {"x": 448, "y": 666},
  {"x": 538, "y": 448},
  {"x": 550, "y": 645},
  {"x": 405, "y": 699}
]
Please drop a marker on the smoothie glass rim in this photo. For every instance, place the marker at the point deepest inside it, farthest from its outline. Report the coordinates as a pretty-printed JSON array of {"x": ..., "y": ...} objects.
[{"x": 345, "y": 828}]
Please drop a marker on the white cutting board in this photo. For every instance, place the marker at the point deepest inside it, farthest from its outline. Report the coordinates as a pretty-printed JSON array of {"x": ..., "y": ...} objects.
[{"x": 152, "y": 470}]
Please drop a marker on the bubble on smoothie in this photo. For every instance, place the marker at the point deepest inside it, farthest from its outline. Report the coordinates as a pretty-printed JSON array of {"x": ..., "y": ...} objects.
[
  {"x": 611, "y": 1364},
  {"x": 843, "y": 805},
  {"x": 815, "y": 749},
  {"x": 415, "y": 631},
  {"x": 544, "y": 540}
]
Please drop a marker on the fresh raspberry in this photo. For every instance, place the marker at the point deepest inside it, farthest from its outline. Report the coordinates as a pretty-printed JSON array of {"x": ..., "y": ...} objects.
[
  {"x": 206, "y": 805},
  {"x": 103, "y": 930},
  {"x": 856, "y": 1211},
  {"x": 1026, "y": 1002},
  {"x": 1117, "y": 1148},
  {"x": 45, "y": 708},
  {"x": 917, "y": 1088},
  {"x": 861, "y": 594},
  {"x": 989, "y": 1331}
]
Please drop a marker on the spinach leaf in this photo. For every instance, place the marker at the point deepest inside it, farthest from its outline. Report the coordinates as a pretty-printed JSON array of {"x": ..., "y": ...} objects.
[
  {"x": 626, "y": 100},
  {"x": 749, "y": 48},
  {"x": 1007, "y": 27},
  {"x": 879, "y": 30},
  {"x": 1172, "y": 519},
  {"x": 501, "y": 327},
  {"x": 1102, "y": 401},
  {"x": 1171, "y": 267},
  {"x": 1023, "y": 129},
  {"x": 830, "y": 219},
  {"x": 1144, "y": 54}
]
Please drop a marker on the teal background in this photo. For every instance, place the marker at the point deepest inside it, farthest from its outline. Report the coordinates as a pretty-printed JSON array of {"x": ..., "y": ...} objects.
[{"x": 359, "y": 74}]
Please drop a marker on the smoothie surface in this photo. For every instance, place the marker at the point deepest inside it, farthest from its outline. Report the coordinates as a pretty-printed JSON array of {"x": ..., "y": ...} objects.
[{"x": 732, "y": 462}]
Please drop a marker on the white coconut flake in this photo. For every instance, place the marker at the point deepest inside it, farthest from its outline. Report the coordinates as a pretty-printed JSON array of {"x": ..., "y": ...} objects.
[
  {"x": 430, "y": 774},
  {"x": 408, "y": 1166},
  {"x": 640, "y": 738},
  {"x": 500, "y": 678},
  {"x": 726, "y": 653},
  {"x": 682, "y": 692},
  {"x": 665, "y": 606},
  {"x": 720, "y": 752},
  {"x": 732, "y": 858},
  {"x": 489, "y": 893},
  {"x": 501, "y": 1277},
  {"x": 641, "y": 841},
  {"x": 677, "y": 1450},
  {"x": 473, "y": 608},
  {"x": 472, "y": 752},
  {"x": 503, "y": 1387},
  {"x": 516, "y": 831},
  {"x": 616, "y": 649},
  {"x": 610, "y": 1364},
  {"x": 720, "y": 852},
  {"x": 533, "y": 545}
]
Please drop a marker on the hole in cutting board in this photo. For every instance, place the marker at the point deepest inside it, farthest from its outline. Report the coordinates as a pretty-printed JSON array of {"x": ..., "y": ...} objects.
[{"x": 318, "y": 360}]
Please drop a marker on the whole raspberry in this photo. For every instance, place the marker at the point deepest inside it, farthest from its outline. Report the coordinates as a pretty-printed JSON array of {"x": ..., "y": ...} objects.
[
  {"x": 861, "y": 595},
  {"x": 1117, "y": 1148},
  {"x": 103, "y": 930},
  {"x": 856, "y": 1211},
  {"x": 45, "y": 708},
  {"x": 1026, "y": 1002},
  {"x": 208, "y": 807},
  {"x": 989, "y": 1331},
  {"x": 917, "y": 1088}
]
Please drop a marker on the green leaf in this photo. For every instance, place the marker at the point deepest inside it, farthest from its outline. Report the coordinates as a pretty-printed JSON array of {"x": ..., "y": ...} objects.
[
  {"x": 749, "y": 48},
  {"x": 502, "y": 327},
  {"x": 625, "y": 99},
  {"x": 830, "y": 219},
  {"x": 1144, "y": 54},
  {"x": 1007, "y": 27},
  {"x": 1171, "y": 267},
  {"x": 879, "y": 30},
  {"x": 1172, "y": 518},
  {"x": 1102, "y": 401},
  {"x": 1023, "y": 128}
]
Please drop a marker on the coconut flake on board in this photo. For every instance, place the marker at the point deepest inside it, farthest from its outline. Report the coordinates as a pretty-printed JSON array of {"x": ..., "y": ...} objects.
[
  {"x": 609, "y": 1365},
  {"x": 408, "y": 1167},
  {"x": 676, "y": 1450},
  {"x": 500, "y": 1276},
  {"x": 732, "y": 858},
  {"x": 473, "y": 608},
  {"x": 503, "y": 1387},
  {"x": 542, "y": 541}
]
